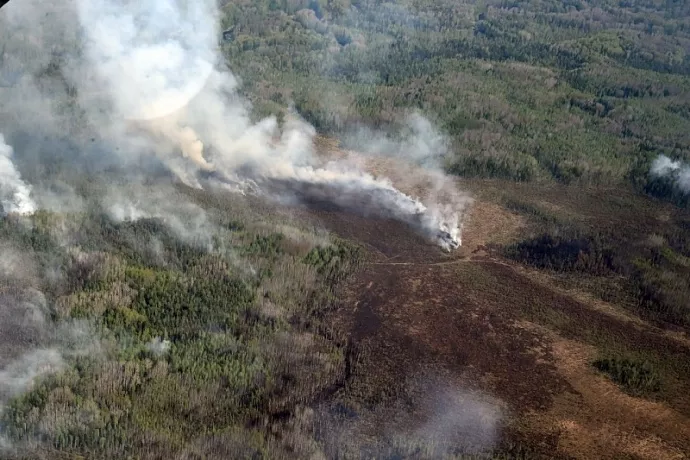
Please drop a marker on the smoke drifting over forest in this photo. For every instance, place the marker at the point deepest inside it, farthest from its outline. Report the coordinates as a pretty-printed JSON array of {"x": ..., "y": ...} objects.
[
  {"x": 122, "y": 83},
  {"x": 30, "y": 344},
  {"x": 676, "y": 171}
]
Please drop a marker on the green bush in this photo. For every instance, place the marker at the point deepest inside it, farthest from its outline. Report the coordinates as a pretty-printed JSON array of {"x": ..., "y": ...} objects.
[
  {"x": 635, "y": 377},
  {"x": 268, "y": 245},
  {"x": 334, "y": 261}
]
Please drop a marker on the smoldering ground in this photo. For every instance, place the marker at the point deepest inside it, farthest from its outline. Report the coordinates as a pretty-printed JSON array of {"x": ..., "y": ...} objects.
[
  {"x": 378, "y": 202},
  {"x": 436, "y": 417},
  {"x": 111, "y": 90}
]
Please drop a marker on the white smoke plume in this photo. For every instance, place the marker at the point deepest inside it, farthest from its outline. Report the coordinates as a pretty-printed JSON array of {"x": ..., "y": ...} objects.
[
  {"x": 416, "y": 155},
  {"x": 461, "y": 417},
  {"x": 439, "y": 418},
  {"x": 15, "y": 194},
  {"x": 186, "y": 220},
  {"x": 24, "y": 351},
  {"x": 26, "y": 348},
  {"x": 153, "y": 56},
  {"x": 147, "y": 77},
  {"x": 158, "y": 347},
  {"x": 663, "y": 166}
]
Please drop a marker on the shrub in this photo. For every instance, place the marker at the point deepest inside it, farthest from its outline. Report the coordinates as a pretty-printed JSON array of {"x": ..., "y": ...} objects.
[
  {"x": 565, "y": 252},
  {"x": 635, "y": 377}
]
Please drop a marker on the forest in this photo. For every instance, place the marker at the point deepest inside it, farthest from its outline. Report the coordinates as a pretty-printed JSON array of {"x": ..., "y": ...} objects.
[
  {"x": 179, "y": 331},
  {"x": 574, "y": 92},
  {"x": 230, "y": 327}
]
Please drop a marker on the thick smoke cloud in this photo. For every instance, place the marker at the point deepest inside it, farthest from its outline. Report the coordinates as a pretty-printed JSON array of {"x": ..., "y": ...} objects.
[
  {"x": 153, "y": 56},
  {"x": 678, "y": 172},
  {"x": 132, "y": 80}
]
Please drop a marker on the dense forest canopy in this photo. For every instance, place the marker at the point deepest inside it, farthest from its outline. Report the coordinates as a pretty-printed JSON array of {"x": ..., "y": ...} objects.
[{"x": 587, "y": 92}]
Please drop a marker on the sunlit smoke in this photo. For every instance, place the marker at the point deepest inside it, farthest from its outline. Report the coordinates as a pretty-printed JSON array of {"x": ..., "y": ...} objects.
[
  {"x": 147, "y": 78},
  {"x": 263, "y": 151},
  {"x": 154, "y": 55}
]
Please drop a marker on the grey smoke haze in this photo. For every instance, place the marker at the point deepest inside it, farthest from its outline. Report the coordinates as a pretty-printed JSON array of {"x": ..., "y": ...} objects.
[
  {"x": 186, "y": 220},
  {"x": 460, "y": 417},
  {"x": 663, "y": 166},
  {"x": 148, "y": 80},
  {"x": 15, "y": 269},
  {"x": 23, "y": 326},
  {"x": 420, "y": 141},
  {"x": 26, "y": 351},
  {"x": 158, "y": 346},
  {"x": 18, "y": 376},
  {"x": 31, "y": 346}
]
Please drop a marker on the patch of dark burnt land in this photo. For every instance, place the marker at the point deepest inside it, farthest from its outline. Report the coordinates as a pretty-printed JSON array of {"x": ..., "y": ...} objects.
[
  {"x": 416, "y": 313},
  {"x": 573, "y": 319}
]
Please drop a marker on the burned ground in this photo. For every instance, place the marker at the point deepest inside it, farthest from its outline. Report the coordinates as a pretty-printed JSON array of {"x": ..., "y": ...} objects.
[{"x": 508, "y": 332}]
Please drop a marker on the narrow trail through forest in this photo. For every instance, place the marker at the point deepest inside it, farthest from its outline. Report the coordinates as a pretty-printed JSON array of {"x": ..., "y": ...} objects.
[{"x": 445, "y": 262}]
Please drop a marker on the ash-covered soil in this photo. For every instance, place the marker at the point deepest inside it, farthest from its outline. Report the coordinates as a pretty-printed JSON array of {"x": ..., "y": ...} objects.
[{"x": 485, "y": 326}]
